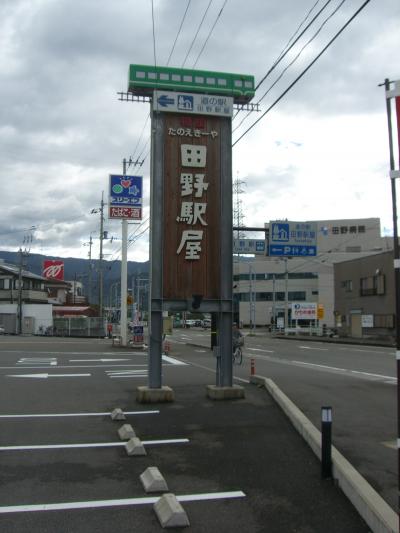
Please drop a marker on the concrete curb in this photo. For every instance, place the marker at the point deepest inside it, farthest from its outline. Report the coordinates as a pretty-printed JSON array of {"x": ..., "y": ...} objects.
[{"x": 379, "y": 516}]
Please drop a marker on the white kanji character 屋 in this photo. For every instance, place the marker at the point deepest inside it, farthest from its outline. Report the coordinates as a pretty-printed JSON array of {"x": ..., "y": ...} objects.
[{"x": 192, "y": 242}]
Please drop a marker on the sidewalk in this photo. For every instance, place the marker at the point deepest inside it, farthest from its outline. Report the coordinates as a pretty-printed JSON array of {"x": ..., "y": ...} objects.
[{"x": 250, "y": 446}]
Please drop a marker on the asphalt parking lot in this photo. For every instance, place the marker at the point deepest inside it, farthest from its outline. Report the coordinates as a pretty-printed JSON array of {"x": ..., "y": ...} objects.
[{"x": 235, "y": 465}]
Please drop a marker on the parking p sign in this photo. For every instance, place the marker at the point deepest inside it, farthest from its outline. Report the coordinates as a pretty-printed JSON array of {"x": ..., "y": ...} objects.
[{"x": 292, "y": 238}]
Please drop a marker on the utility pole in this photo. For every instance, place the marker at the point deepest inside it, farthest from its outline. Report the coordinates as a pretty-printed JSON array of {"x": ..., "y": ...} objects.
[
  {"x": 101, "y": 256},
  {"x": 22, "y": 254},
  {"x": 20, "y": 293},
  {"x": 124, "y": 275},
  {"x": 90, "y": 243},
  {"x": 395, "y": 174},
  {"x": 286, "y": 294}
]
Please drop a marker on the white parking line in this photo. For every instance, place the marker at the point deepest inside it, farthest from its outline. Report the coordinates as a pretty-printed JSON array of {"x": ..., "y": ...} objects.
[
  {"x": 259, "y": 350},
  {"x": 52, "y": 361},
  {"x": 88, "y": 445},
  {"x": 126, "y": 373},
  {"x": 313, "y": 348},
  {"x": 55, "y": 415},
  {"x": 347, "y": 371},
  {"x": 172, "y": 360},
  {"x": 118, "y": 503}
]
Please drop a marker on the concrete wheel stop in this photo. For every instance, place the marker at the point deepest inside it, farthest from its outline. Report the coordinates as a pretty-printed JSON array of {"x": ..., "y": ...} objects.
[
  {"x": 126, "y": 432},
  {"x": 153, "y": 481},
  {"x": 135, "y": 447},
  {"x": 236, "y": 392},
  {"x": 118, "y": 414},
  {"x": 152, "y": 395},
  {"x": 170, "y": 512}
]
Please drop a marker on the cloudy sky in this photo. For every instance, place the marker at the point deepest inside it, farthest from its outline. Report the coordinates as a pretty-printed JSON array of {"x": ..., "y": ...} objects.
[{"x": 320, "y": 153}]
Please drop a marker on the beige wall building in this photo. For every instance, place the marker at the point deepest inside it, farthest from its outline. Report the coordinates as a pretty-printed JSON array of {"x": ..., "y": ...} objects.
[{"x": 264, "y": 287}]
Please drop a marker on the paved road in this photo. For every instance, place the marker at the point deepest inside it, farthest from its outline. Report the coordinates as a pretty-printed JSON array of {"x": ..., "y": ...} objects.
[
  {"x": 359, "y": 382},
  {"x": 59, "y": 447}
]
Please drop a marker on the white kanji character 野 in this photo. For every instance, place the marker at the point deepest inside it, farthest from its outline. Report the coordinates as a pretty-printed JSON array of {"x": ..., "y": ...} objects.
[
  {"x": 186, "y": 184},
  {"x": 199, "y": 185}
]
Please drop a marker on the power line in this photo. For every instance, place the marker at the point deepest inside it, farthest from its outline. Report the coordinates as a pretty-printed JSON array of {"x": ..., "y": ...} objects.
[
  {"x": 287, "y": 48},
  {"x": 285, "y": 51},
  {"x": 298, "y": 29},
  {"x": 294, "y": 59},
  {"x": 179, "y": 31},
  {"x": 197, "y": 32},
  {"x": 209, "y": 35},
  {"x": 155, "y": 64},
  {"x": 304, "y": 71},
  {"x": 154, "y": 33}
]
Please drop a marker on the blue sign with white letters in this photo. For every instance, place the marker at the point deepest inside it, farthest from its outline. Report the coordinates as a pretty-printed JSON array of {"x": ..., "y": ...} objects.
[
  {"x": 292, "y": 239},
  {"x": 125, "y": 191}
]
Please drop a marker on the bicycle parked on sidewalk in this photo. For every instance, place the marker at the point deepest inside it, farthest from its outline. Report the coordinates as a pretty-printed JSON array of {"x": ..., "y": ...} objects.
[
  {"x": 237, "y": 356},
  {"x": 237, "y": 343}
]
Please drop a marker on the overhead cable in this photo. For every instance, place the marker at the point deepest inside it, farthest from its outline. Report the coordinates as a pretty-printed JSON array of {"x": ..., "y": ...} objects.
[
  {"x": 294, "y": 59},
  {"x": 303, "y": 72},
  {"x": 210, "y": 32},
  {"x": 287, "y": 48},
  {"x": 154, "y": 33},
  {"x": 179, "y": 31},
  {"x": 197, "y": 32}
]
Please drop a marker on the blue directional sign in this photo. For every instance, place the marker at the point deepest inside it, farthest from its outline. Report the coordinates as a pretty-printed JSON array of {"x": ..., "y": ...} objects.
[
  {"x": 191, "y": 103},
  {"x": 165, "y": 101},
  {"x": 292, "y": 239},
  {"x": 125, "y": 191}
]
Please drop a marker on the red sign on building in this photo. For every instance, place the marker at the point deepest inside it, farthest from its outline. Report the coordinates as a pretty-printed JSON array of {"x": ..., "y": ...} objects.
[
  {"x": 132, "y": 213},
  {"x": 53, "y": 269}
]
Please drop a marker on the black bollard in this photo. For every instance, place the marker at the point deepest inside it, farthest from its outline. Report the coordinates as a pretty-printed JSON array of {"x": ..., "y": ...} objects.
[{"x": 326, "y": 442}]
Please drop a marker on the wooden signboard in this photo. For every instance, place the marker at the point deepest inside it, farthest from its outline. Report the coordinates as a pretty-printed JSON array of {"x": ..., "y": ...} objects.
[{"x": 192, "y": 207}]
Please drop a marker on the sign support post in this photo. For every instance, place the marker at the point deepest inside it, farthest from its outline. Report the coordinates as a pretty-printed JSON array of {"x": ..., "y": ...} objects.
[
  {"x": 156, "y": 246},
  {"x": 396, "y": 248},
  {"x": 124, "y": 275}
]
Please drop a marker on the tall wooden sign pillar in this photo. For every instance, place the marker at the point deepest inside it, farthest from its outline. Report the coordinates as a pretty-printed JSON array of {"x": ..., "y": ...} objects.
[{"x": 191, "y": 235}]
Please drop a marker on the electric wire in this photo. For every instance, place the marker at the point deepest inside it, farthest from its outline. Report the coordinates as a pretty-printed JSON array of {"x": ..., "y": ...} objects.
[
  {"x": 287, "y": 49},
  {"x": 298, "y": 29},
  {"x": 197, "y": 32},
  {"x": 210, "y": 32},
  {"x": 154, "y": 33},
  {"x": 179, "y": 31},
  {"x": 294, "y": 59},
  {"x": 133, "y": 157},
  {"x": 304, "y": 71}
]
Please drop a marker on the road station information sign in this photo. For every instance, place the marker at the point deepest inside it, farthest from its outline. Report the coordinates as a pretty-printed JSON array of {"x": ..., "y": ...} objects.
[
  {"x": 292, "y": 238},
  {"x": 191, "y": 103}
]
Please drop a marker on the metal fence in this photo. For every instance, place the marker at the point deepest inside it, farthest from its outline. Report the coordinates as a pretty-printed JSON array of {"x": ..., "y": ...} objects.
[{"x": 78, "y": 327}]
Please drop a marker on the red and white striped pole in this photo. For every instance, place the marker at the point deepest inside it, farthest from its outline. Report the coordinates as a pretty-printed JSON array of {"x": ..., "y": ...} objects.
[{"x": 252, "y": 367}]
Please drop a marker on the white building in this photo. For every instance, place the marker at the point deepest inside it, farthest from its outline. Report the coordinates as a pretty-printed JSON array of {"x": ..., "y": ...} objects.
[{"x": 265, "y": 287}]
